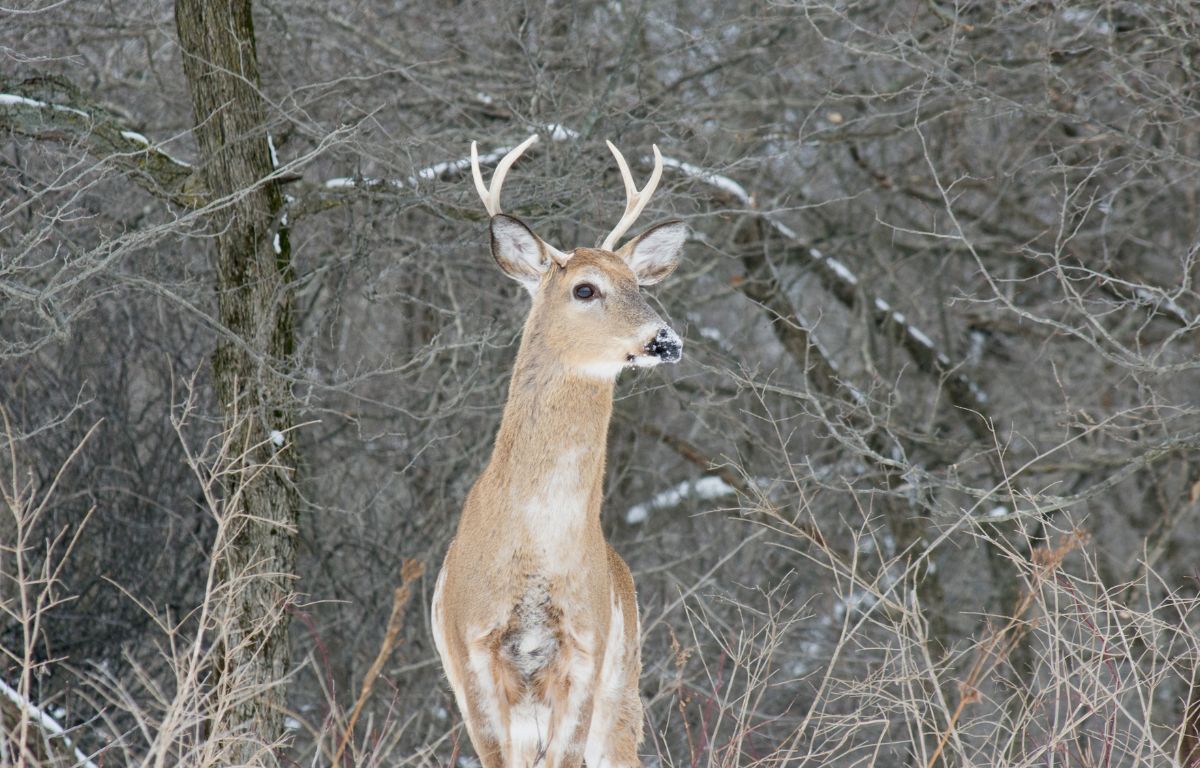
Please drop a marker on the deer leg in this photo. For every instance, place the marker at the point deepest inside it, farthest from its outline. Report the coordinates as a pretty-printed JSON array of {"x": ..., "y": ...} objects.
[
  {"x": 487, "y": 747},
  {"x": 492, "y": 692},
  {"x": 619, "y": 747},
  {"x": 616, "y": 724},
  {"x": 478, "y": 715},
  {"x": 570, "y": 684}
]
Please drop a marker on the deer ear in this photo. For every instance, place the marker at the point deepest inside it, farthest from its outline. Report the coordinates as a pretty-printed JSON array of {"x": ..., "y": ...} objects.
[
  {"x": 522, "y": 255},
  {"x": 654, "y": 254}
]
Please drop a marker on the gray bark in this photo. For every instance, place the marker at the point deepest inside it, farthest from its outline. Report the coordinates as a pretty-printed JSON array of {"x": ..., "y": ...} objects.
[{"x": 254, "y": 275}]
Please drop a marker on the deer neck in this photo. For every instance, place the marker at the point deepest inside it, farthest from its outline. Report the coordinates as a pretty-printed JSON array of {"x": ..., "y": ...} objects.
[{"x": 550, "y": 450}]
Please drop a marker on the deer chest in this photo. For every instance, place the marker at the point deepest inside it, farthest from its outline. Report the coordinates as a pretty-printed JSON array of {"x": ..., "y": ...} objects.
[{"x": 532, "y": 637}]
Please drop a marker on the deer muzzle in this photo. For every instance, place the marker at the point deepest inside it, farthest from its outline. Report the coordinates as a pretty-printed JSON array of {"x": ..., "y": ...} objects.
[{"x": 666, "y": 346}]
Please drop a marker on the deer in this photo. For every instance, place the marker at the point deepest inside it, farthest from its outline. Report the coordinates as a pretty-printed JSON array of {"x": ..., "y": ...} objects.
[{"x": 534, "y": 613}]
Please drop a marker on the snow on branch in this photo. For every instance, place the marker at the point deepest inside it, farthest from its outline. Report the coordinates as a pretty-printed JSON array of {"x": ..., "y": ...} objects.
[
  {"x": 1155, "y": 298},
  {"x": 840, "y": 280},
  {"x": 44, "y": 722},
  {"x": 104, "y": 138},
  {"x": 447, "y": 169},
  {"x": 709, "y": 487},
  {"x": 723, "y": 183},
  {"x": 834, "y": 275},
  {"x": 962, "y": 391}
]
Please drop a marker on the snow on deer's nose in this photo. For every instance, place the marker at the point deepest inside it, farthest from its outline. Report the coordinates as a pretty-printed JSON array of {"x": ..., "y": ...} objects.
[
  {"x": 663, "y": 345},
  {"x": 666, "y": 346}
]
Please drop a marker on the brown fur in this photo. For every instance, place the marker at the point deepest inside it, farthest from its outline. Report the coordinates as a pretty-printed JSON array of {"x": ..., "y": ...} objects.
[{"x": 508, "y": 578}]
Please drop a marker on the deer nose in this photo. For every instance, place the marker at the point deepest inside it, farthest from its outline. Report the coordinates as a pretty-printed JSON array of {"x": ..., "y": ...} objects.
[{"x": 666, "y": 346}]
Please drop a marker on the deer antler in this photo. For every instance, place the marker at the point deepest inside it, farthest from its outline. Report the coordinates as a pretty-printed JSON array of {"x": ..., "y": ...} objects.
[
  {"x": 491, "y": 195},
  {"x": 635, "y": 199}
]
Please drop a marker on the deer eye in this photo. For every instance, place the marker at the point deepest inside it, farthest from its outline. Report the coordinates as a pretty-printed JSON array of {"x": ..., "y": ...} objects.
[{"x": 586, "y": 292}]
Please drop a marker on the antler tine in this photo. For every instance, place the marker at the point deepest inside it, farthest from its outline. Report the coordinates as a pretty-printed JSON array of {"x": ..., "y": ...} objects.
[
  {"x": 478, "y": 176},
  {"x": 491, "y": 195},
  {"x": 626, "y": 176},
  {"x": 635, "y": 199}
]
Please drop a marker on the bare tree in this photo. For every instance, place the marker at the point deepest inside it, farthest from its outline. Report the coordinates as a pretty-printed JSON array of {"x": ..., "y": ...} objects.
[
  {"x": 255, "y": 297},
  {"x": 923, "y": 490}
]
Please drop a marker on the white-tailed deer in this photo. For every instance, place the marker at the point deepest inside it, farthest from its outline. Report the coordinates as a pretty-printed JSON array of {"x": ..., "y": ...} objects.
[{"x": 534, "y": 614}]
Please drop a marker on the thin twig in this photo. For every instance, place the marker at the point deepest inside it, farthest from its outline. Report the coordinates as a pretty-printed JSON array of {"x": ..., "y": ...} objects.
[{"x": 409, "y": 572}]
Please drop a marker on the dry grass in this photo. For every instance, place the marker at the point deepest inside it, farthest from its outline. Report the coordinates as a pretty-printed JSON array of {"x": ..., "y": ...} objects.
[{"x": 1078, "y": 672}]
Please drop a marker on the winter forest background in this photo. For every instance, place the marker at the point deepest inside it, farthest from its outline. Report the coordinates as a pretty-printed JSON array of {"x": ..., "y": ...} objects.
[{"x": 923, "y": 491}]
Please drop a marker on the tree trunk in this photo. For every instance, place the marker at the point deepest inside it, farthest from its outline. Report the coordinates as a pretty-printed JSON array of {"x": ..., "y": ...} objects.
[{"x": 255, "y": 297}]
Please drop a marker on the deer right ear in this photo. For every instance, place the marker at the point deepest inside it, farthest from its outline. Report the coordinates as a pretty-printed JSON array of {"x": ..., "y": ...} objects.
[
  {"x": 522, "y": 255},
  {"x": 654, "y": 254}
]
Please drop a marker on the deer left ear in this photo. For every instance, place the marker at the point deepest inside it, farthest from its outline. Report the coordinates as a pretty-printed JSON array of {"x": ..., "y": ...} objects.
[
  {"x": 654, "y": 254},
  {"x": 521, "y": 254}
]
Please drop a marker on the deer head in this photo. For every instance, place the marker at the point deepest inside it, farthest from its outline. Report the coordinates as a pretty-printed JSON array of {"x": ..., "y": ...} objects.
[{"x": 588, "y": 313}]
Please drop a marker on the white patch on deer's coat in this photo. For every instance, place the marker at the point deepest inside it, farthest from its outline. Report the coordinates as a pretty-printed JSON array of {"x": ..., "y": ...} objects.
[
  {"x": 610, "y": 688},
  {"x": 438, "y": 619},
  {"x": 480, "y": 660},
  {"x": 557, "y": 511},
  {"x": 528, "y": 722},
  {"x": 643, "y": 361},
  {"x": 604, "y": 370},
  {"x": 581, "y": 669}
]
